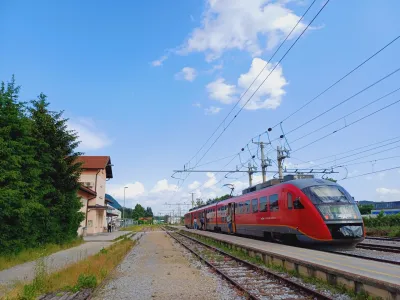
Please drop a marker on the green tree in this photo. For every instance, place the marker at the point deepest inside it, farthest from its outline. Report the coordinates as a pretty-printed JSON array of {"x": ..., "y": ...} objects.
[
  {"x": 20, "y": 212},
  {"x": 365, "y": 209},
  {"x": 55, "y": 147},
  {"x": 149, "y": 212},
  {"x": 138, "y": 212}
]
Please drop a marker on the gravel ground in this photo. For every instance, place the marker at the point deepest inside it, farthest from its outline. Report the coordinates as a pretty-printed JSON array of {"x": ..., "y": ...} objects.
[
  {"x": 156, "y": 269},
  {"x": 225, "y": 290}
]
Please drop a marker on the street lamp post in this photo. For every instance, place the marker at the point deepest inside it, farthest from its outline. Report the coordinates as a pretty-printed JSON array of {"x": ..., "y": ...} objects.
[{"x": 123, "y": 209}]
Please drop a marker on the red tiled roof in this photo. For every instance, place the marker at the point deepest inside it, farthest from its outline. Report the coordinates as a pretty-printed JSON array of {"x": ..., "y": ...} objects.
[
  {"x": 93, "y": 162},
  {"x": 96, "y": 162},
  {"x": 87, "y": 190}
]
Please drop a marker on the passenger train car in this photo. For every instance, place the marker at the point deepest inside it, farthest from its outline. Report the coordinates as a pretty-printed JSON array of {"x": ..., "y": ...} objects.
[{"x": 310, "y": 210}]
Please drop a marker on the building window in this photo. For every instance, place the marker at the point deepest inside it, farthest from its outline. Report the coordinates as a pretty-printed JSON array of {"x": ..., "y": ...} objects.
[
  {"x": 263, "y": 204},
  {"x": 254, "y": 205},
  {"x": 273, "y": 202}
]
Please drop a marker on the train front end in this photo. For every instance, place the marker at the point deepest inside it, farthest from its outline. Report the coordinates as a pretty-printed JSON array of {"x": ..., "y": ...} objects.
[{"x": 339, "y": 212}]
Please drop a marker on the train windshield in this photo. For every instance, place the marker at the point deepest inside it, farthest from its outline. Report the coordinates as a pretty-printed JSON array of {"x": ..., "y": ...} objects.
[
  {"x": 333, "y": 202},
  {"x": 320, "y": 194}
]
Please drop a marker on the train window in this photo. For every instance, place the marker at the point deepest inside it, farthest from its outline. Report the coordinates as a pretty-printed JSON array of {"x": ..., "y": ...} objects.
[
  {"x": 263, "y": 204},
  {"x": 241, "y": 205},
  {"x": 273, "y": 202},
  {"x": 297, "y": 204},
  {"x": 289, "y": 201},
  {"x": 247, "y": 207},
  {"x": 254, "y": 205}
]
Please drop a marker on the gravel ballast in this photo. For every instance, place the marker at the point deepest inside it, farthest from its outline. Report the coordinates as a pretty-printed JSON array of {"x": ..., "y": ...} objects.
[{"x": 157, "y": 269}]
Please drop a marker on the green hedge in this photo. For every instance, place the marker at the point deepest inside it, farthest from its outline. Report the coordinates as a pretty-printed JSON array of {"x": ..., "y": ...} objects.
[{"x": 381, "y": 221}]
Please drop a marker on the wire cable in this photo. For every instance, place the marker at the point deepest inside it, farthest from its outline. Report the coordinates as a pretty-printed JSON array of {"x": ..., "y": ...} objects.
[
  {"x": 255, "y": 79},
  {"x": 389, "y": 169},
  {"x": 282, "y": 58},
  {"x": 345, "y": 116},
  {"x": 339, "y": 80},
  {"x": 344, "y": 101},
  {"x": 347, "y": 125}
]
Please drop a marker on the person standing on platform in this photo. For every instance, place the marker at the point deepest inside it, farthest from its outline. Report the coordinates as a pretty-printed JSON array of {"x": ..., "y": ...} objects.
[
  {"x": 202, "y": 222},
  {"x": 195, "y": 223}
]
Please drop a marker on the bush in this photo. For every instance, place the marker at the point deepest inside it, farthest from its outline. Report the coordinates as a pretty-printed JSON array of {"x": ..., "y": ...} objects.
[
  {"x": 85, "y": 282},
  {"x": 382, "y": 220}
]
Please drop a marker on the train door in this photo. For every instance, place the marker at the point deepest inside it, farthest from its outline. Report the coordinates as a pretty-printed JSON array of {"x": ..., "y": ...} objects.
[{"x": 230, "y": 216}]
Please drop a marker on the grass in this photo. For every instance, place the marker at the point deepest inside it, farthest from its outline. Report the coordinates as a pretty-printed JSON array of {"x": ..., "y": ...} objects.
[
  {"x": 137, "y": 228},
  {"x": 87, "y": 273},
  {"x": 384, "y": 231},
  {"x": 320, "y": 284},
  {"x": 35, "y": 253}
]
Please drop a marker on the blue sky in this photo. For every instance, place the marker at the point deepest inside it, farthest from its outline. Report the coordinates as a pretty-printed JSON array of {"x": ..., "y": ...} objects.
[{"x": 147, "y": 83}]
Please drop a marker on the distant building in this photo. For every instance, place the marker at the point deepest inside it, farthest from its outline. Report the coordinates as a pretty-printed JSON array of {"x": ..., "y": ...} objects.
[
  {"x": 114, "y": 211},
  {"x": 388, "y": 208},
  {"x": 96, "y": 170}
]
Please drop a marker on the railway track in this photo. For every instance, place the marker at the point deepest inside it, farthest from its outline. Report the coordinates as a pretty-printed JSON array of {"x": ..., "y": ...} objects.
[
  {"x": 254, "y": 281},
  {"x": 366, "y": 247},
  {"x": 384, "y": 248},
  {"x": 383, "y": 239}
]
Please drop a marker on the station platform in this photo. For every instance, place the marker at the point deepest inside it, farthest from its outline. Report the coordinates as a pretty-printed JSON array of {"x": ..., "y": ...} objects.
[{"x": 367, "y": 272}]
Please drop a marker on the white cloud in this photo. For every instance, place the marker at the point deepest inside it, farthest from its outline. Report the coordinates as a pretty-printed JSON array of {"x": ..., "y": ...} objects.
[
  {"x": 269, "y": 94},
  {"x": 212, "y": 110},
  {"x": 242, "y": 25},
  {"x": 159, "y": 62},
  {"x": 215, "y": 68},
  {"x": 91, "y": 137},
  {"x": 162, "y": 186},
  {"x": 386, "y": 191},
  {"x": 187, "y": 73},
  {"x": 211, "y": 181},
  {"x": 197, "y": 104},
  {"x": 133, "y": 190},
  {"x": 220, "y": 91},
  {"x": 194, "y": 185}
]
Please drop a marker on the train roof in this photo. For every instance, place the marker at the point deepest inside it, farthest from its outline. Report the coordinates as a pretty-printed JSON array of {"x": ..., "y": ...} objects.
[
  {"x": 304, "y": 183},
  {"x": 299, "y": 183}
]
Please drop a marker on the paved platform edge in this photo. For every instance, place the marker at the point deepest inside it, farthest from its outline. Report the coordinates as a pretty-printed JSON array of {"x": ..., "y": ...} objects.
[{"x": 351, "y": 281}]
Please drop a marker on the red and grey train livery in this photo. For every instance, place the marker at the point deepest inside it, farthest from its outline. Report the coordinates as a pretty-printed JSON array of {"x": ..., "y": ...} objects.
[{"x": 302, "y": 210}]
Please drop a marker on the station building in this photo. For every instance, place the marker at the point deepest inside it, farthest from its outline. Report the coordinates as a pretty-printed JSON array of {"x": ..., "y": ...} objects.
[{"x": 96, "y": 171}]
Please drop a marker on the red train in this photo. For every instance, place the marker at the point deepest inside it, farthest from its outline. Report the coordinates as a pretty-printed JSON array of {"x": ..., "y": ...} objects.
[{"x": 302, "y": 210}]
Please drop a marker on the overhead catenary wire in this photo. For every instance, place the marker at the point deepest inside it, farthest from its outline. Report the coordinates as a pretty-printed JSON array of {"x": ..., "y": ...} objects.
[
  {"x": 352, "y": 150},
  {"x": 240, "y": 110},
  {"x": 339, "y": 80},
  {"x": 345, "y": 116},
  {"x": 255, "y": 79},
  {"x": 346, "y": 126},
  {"x": 332, "y": 85},
  {"x": 374, "y": 172},
  {"x": 368, "y": 155},
  {"x": 369, "y": 161}
]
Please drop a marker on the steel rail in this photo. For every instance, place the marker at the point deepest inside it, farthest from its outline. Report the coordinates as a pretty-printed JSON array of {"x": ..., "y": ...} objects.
[
  {"x": 383, "y": 248},
  {"x": 382, "y": 238},
  {"x": 262, "y": 270},
  {"x": 224, "y": 275}
]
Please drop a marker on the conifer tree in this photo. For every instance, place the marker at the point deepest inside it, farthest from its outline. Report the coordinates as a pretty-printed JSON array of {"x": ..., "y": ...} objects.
[{"x": 55, "y": 149}]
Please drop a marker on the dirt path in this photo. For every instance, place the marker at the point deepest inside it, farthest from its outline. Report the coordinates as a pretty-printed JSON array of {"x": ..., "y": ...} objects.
[{"x": 157, "y": 269}]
